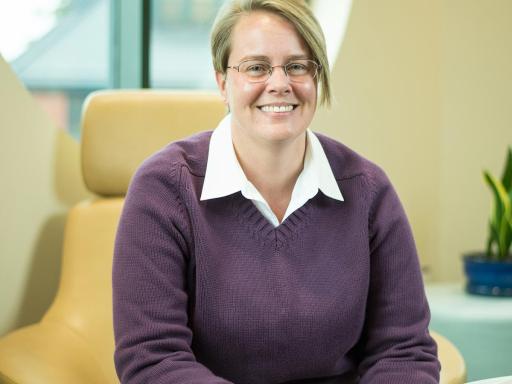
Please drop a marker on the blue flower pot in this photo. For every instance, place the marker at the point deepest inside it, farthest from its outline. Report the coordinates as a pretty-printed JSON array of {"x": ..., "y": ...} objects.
[{"x": 488, "y": 277}]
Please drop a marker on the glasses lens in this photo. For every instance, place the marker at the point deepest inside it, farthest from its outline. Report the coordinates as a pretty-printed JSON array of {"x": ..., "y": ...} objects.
[
  {"x": 301, "y": 70},
  {"x": 255, "y": 71}
]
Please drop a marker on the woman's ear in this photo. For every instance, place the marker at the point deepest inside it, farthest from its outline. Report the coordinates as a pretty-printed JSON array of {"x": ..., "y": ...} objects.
[{"x": 221, "y": 83}]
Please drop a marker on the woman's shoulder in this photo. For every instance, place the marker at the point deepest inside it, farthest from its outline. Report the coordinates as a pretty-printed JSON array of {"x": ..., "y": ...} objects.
[
  {"x": 163, "y": 167},
  {"x": 190, "y": 152},
  {"x": 346, "y": 163}
]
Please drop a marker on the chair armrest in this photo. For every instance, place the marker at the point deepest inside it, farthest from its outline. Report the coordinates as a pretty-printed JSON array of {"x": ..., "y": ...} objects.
[
  {"x": 453, "y": 367},
  {"x": 47, "y": 352}
]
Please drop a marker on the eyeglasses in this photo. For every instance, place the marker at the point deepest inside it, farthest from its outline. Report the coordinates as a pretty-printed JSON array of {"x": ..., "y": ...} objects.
[{"x": 257, "y": 71}]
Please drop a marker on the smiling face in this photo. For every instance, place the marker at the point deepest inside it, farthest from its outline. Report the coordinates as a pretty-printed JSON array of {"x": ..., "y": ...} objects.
[{"x": 277, "y": 110}]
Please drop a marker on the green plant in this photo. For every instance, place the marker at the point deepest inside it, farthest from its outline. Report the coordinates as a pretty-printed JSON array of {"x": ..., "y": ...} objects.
[{"x": 500, "y": 224}]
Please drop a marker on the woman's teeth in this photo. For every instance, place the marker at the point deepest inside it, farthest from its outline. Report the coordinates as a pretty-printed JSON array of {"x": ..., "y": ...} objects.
[{"x": 276, "y": 108}]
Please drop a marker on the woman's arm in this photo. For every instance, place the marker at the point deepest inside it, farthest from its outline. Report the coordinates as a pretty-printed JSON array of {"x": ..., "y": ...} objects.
[
  {"x": 396, "y": 346},
  {"x": 153, "y": 339}
]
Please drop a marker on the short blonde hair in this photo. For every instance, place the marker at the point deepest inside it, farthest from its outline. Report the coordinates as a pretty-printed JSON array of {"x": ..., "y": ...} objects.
[{"x": 297, "y": 12}]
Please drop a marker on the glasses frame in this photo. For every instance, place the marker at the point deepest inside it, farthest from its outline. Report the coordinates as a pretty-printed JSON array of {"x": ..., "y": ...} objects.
[{"x": 318, "y": 67}]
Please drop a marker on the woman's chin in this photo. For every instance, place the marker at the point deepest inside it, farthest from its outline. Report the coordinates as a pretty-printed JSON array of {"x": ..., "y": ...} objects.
[{"x": 279, "y": 133}]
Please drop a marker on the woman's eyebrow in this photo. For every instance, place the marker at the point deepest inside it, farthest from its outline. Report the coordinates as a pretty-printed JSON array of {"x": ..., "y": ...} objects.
[
  {"x": 298, "y": 57},
  {"x": 255, "y": 57},
  {"x": 267, "y": 59}
]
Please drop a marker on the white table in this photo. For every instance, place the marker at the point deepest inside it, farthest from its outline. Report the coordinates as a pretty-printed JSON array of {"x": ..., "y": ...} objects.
[
  {"x": 497, "y": 380},
  {"x": 480, "y": 327}
]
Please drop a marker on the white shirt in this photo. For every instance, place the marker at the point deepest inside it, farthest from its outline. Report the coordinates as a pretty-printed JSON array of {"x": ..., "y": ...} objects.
[{"x": 224, "y": 175}]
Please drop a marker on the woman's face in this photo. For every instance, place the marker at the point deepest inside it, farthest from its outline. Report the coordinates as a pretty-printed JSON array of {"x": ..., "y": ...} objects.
[{"x": 264, "y": 35}]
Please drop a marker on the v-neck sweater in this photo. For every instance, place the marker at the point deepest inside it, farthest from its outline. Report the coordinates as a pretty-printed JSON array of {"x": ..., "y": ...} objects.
[{"x": 209, "y": 292}]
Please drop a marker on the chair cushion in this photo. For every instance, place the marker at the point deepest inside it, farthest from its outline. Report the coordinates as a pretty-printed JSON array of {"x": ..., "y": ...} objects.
[
  {"x": 84, "y": 300},
  {"x": 50, "y": 352}
]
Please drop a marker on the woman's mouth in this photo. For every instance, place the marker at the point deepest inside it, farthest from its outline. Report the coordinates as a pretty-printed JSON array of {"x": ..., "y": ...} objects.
[{"x": 281, "y": 108}]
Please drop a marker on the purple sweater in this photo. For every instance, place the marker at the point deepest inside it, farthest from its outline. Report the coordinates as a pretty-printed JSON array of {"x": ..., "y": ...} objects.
[{"x": 210, "y": 292}]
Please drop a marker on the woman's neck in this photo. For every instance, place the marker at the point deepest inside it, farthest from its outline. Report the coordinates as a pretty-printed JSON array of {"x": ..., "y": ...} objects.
[{"x": 273, "y": 169}]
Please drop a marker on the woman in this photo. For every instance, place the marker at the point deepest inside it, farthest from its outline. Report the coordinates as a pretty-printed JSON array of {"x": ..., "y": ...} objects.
[{"x": 262, "y": 252}]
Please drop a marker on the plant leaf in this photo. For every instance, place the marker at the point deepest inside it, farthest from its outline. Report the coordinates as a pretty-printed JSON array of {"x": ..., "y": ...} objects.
[
  {"x": 493, "y": 239},
  {"x": 501, "y": 216},
  {"x": 506, "y": 179},
  {"x": 508, "y": 236},
  {"x": 503, "y": 238},
  {"x": 500, "y": 196}
]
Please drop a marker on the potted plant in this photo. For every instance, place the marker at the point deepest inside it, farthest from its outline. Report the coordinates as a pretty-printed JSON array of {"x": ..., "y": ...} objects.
[{"x": 490, "y": 273}]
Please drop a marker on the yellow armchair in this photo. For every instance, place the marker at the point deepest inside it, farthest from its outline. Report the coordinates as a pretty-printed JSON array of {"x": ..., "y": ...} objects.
[{"x": 74, "y": 342}]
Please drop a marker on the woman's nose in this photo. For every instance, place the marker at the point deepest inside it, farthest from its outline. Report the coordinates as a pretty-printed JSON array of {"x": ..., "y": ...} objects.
[{"x": 278, "y": 79}]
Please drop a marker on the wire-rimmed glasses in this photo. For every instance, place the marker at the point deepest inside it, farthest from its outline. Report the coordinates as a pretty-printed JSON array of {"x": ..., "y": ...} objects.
[{"x": 259, "y": 71}]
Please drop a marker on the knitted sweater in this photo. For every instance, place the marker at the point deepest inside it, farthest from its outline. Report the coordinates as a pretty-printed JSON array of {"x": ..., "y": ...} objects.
[{"x": 209, "y": 292}]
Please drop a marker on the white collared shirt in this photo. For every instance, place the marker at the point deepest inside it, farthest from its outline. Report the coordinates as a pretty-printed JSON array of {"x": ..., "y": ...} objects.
[{"x": 224, "y": 175}]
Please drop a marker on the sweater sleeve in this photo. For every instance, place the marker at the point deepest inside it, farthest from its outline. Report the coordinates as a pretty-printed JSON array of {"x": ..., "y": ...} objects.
[
  {"x": 396, "y": 345},
  {"x": 152, "y": 336}
]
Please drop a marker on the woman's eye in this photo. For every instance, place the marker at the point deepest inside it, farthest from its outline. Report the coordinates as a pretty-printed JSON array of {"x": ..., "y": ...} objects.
[
  {"x": 297, "y": 67},
  {"x": 257, "y": 68}
]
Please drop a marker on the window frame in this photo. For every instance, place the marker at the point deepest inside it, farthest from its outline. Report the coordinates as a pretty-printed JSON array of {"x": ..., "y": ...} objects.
[{"x": 129, "y": 43}]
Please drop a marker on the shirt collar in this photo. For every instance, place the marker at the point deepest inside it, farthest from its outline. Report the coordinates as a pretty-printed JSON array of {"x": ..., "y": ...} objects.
[
  {"x": 316, "y": 165},
  {"x": 224, "y": 176}
]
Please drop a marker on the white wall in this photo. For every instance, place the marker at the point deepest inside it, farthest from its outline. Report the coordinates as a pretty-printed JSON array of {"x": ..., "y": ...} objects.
[
  {"x": 387, "y": 102},
  {"x": 41, "y": 179},
  {"x": 423, "y": 89}
]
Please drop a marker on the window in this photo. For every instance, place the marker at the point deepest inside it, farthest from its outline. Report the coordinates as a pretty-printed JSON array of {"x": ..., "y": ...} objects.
[
  {"x": 64, "y": 49},
  {"x": 62, "y": 53},
  {"x": 180, "y": 44}
]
